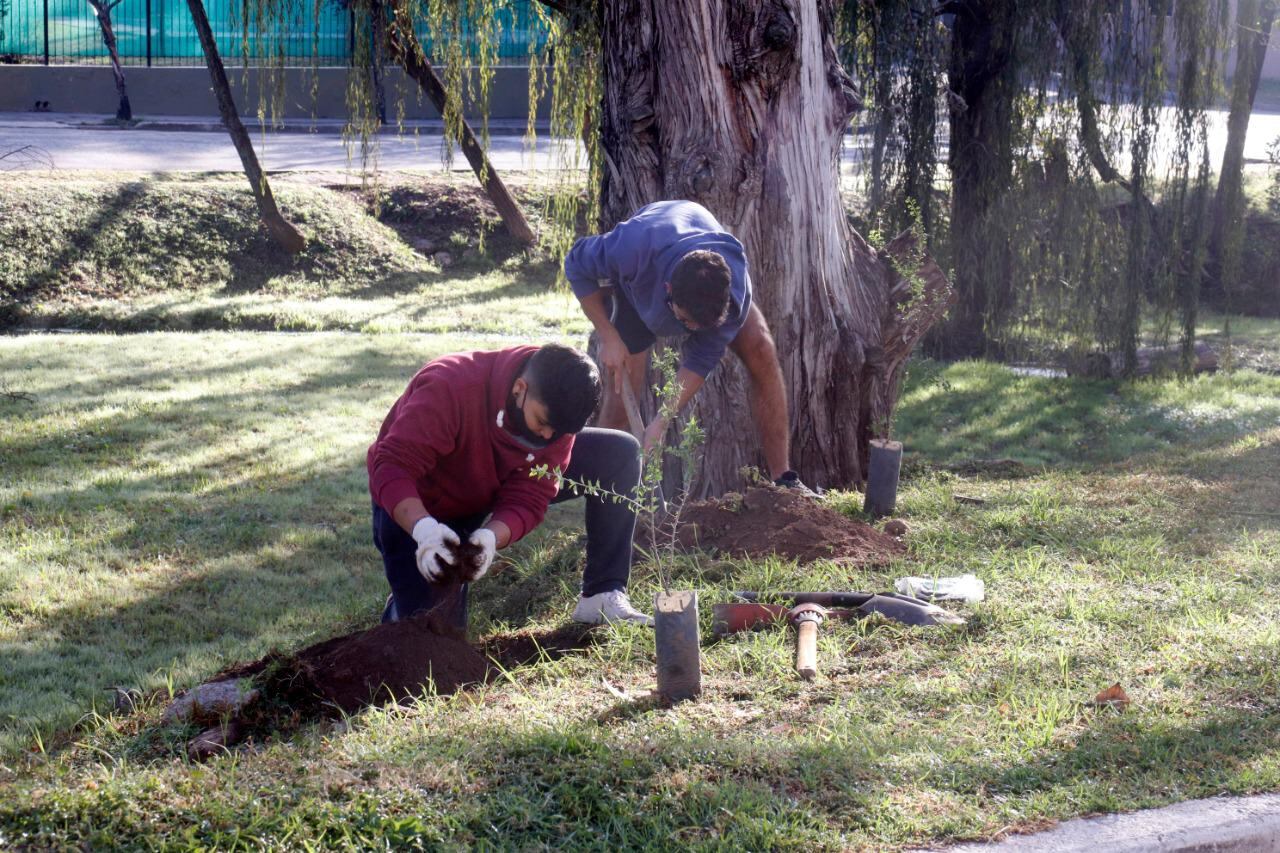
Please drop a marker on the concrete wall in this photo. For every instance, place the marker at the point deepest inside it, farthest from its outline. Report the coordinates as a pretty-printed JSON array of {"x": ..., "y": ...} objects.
[{"x": 187, "y": 91}]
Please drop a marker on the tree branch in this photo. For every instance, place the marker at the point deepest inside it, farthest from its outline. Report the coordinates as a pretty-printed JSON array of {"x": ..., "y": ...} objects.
[
  {"x": 1091, "y": 139},
  {"x": 557, "y": 6},
  {"x": 1087, "y": 106},
  {"x": 26, "y": 155},
  {"x": 406, "y": 50}
]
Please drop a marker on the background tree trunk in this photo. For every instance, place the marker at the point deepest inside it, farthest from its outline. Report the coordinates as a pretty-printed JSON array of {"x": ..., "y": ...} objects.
[
  {"x": 983, "y": 85},
  {"x": 1254, "y": 19},
  {"x": 740, "y": 105},
  {"x": 124, "y": 112},
  {"x": 280, "y": 229}
]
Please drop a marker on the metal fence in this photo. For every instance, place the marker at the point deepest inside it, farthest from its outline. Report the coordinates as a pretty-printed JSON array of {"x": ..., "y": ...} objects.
[{"x": 160, "y": 32}]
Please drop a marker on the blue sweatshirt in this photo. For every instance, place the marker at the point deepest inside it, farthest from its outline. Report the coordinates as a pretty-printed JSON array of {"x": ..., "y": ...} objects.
[{"x": 639, "y": 255}]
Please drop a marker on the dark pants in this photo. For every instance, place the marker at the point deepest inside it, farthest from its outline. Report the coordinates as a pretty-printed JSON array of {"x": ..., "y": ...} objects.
[
  {"x": 634, "y": 333},
  {"x": 605, "y": 456}
]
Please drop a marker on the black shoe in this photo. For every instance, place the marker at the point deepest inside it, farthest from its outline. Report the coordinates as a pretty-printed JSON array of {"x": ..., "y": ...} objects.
[
  {"x": 389, "y": 613},
  {"x": 791, "y": 480}
]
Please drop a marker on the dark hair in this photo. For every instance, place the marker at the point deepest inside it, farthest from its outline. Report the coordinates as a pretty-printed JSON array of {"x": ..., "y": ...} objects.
[
  {"x": 700, "y": 285},
  {"x": 568, "y": 384}
]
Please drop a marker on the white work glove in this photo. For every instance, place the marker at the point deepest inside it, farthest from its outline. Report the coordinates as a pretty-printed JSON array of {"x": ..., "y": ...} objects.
[
  {"x": 488, "y": 545},
  {"x": 435, "y": 547}
]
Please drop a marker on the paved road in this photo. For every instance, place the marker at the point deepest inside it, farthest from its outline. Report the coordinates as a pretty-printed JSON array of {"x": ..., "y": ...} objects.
[
  {"x": 180, "y": 146},
  {"x": 163, "y": 145}
]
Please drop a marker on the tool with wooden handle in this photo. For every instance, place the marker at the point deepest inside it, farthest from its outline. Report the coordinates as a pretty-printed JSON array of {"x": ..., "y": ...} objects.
[
  {"x": 891, "y": 605},
  {"x": 807, "y": 618},
  {"x": 808, "y": 610},
  {"x": 637, "y": 429}
]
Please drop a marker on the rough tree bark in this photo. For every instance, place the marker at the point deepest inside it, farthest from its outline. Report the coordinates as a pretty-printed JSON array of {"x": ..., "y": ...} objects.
[
  {"x": 1254, "y": 19},
  {"x": 740, "y": 105},
  {"x": 124, "y": 112},
  {"x": 405, "y": 49},
  {"x": 280, "y": 229}
]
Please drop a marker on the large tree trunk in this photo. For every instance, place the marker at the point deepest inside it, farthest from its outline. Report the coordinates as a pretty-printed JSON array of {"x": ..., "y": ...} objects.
[
  {"x": 1254, "y": 20},
  {"x": 983, "y": 86},
  {"x": 740, "y": 105},
  {"x": 280, "y": 229},
  {"x": 402, "y": 42},
  {"x": 124, "y": 112}
]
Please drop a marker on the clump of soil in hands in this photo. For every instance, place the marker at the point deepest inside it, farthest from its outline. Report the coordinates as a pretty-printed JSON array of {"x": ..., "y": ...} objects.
[
  {"x": 766, "y": 520},
  {"x": 463, "y": 568}
]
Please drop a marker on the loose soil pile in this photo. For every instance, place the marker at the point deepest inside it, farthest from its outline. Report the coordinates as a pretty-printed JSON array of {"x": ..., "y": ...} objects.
[
  {"x": 384, "y": 664},
  {"x": 765, "y": 520},
  {"x": 391, "y": 662}
]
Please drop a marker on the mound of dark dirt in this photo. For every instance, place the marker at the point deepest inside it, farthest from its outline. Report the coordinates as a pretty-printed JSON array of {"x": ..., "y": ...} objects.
[
  {"x": 390, "y": 662},
  {"x": 766, "y": 520},
  {"x": 384, "y": 664}
]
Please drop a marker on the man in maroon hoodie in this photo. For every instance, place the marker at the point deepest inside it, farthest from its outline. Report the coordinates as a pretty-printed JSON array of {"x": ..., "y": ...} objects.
[{"x": 452, "y": 462}]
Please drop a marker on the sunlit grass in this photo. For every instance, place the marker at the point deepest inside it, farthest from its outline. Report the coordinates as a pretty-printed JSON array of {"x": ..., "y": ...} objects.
[
  {"x": 966, "y": 410},
  {"x": 509, "y": 303}
]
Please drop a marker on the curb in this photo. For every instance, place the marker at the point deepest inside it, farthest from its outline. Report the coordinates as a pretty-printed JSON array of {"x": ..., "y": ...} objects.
[{"x": 1218, "y": 824}]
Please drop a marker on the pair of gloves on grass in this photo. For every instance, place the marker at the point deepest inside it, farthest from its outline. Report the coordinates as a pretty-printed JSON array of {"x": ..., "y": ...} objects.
[{"x": 441, "y": 553}]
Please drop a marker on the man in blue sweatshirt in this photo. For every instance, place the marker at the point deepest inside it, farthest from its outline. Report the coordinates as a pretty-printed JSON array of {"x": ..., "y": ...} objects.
[{"x": 671, "y": 269}]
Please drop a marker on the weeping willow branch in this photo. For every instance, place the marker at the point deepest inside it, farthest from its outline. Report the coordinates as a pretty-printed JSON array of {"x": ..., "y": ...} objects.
[
  {"x": 1056, "y": 107},
  {"x": 566, "y": 9},
  {"x": 407, "y": 51}
]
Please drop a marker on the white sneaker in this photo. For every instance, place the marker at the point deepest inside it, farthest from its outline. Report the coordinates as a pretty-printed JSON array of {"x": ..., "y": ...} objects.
[{"x": 612, "y": 606}]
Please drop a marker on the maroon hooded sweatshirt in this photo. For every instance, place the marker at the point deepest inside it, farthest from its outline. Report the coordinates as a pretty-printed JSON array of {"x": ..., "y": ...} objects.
[{"x": 443, "y": 441}]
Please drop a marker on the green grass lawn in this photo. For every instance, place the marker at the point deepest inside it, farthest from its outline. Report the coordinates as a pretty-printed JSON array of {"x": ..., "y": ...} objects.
[{"x": 173, "y": 503}]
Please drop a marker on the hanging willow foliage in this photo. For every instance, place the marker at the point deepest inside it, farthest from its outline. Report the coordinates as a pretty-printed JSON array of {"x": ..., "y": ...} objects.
[
  {"x": 1033, "y": 142},
  {"x": 464, "y": 37},
  {"x": 1073, "y": 209}
]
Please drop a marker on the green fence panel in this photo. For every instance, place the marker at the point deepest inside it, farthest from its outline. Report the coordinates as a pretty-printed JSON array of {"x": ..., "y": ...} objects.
[{"x": 160, "y": 32}]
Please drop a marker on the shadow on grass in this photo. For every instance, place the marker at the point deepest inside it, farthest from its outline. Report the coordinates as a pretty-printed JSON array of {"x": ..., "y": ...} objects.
[
  {"x": 1124, "y": 753},
  {"x": 741, "y": 793},
  {"x": 1238, "y": 485},
  {"x": 75, "y": 244}
]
